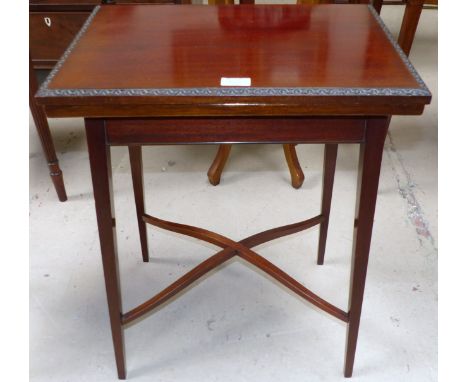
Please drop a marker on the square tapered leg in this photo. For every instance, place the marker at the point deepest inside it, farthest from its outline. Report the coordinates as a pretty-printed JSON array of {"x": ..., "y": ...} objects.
[
  {"x": 101, "y": 174},
  {"x": 370, "y": 159}
]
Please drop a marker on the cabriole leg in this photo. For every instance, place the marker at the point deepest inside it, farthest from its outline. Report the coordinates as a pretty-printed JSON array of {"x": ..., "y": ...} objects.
[
  {"x": 295, "y": 170},
  {"x": 216, "y": 168}
]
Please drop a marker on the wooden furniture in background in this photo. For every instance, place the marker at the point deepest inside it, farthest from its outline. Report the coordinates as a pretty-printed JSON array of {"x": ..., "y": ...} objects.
[
  {"x": 54, "y": 23},
  {"x": 183, "y": 103},
  {"x": 52, "y": 26},
  {"x": 222, "y": 155},
  {"x": 410, "y": 22},
  {"x": 43, "y": 131},
  {"x": 406, "y": 36}
]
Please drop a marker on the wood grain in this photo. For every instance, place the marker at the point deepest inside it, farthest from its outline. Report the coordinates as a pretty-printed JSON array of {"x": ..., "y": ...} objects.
[{"x": 192, "y": 47}]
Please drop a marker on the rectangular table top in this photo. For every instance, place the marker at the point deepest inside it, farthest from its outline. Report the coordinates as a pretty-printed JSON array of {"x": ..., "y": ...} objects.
[{"x": 157, "y": 60}]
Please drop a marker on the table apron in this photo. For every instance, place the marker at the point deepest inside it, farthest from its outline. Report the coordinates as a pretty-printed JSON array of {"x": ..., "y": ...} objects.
[{"x": 160, "y": 131}]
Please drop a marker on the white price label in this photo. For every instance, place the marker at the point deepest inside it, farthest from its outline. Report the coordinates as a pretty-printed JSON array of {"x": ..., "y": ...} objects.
[{"x": 233, "y": 81}]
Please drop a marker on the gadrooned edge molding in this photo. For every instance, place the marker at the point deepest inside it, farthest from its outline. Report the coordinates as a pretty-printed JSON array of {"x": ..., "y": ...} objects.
[{"x": 44, "y": 90}]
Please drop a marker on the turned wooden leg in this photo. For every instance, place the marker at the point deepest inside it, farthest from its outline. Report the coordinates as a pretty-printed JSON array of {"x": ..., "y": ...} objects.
[
  {"x": 45, "y": 137},
  {"x": 136, "y": 165},
  {"x": 368, "y": 181},
  {"x": 101, "y": 174},
  {"x": 297, "y": 176},
  {"x": 216, "y": 168},
  {"x": 329, "y": 165},
  {"x": 409, "y": 24}
]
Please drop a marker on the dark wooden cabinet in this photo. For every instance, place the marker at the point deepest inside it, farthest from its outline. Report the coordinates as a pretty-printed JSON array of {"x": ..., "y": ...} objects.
[
  {"x": 52, "y": 26},
  {"x": 50, "y": 33},
  {"x": 54, "y": 23}
]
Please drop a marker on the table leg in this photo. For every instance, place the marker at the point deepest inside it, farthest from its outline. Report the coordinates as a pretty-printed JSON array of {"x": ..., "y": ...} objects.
[
  {"x": 368, "y": 181},
  {"x": 45, "y": 137},
  {"x": 101, "y": 174},
  {"x": 329, "y": 165},
  {"x": 136, "y": 165},
  {"x": 409, "y": 24}
]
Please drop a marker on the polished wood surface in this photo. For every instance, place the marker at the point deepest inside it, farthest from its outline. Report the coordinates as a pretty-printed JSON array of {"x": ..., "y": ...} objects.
[
  {"x": 145, "y": 46},
  {"x": 194, "y": 46},
  {"x": 148, "y": 131},
  {"x": 405, "y": 39},
  {"x": 217, "y": 166}
]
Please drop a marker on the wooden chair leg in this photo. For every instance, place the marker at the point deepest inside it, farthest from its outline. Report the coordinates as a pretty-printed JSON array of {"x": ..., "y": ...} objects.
[
  {"x": 45, "y": 137},
  {"x": 136, "y": 165},
  {"x": 216, "y": 168},
  {"x": 297, "y": 176},
  {"x": 409, "y": 24},
  {"x": 101, "y": 175},
  {"x": 329, "y": 165},
  {"x": 368, "y": 181},
  {"x": 378, "y": 5}
]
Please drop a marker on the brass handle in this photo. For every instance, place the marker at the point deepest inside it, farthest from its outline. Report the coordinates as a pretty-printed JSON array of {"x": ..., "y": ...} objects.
[{"x": 48, "y": 21}]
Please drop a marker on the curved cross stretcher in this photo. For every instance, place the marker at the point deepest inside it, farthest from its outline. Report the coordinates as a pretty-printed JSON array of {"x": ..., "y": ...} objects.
[
  {"x": 230, "y": 249},
  {"x": 369, "y": 132}
]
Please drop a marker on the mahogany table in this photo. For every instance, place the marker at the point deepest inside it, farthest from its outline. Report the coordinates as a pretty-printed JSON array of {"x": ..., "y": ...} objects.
[{"x": 148, "y": 75}]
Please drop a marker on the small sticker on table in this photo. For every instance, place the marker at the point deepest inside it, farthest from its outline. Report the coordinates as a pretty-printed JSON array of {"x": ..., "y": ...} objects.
[{"x": 236, "y": 81}]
